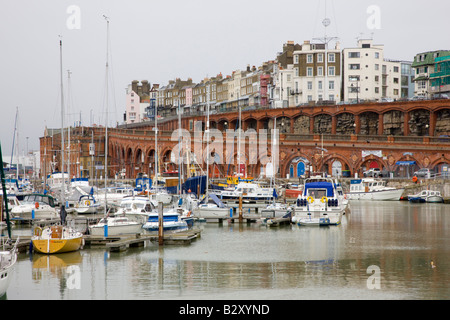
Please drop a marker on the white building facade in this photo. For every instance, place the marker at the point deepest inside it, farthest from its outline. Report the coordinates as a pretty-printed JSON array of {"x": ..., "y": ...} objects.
[{"x": 368, "y": 76}]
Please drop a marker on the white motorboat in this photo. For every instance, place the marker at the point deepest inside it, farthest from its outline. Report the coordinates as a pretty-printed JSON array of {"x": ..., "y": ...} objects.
[
  {"x": 114, "y": 195},
  {"x": 172, "y": 222},
  {"x": 319, "y": 203},
  {"x": 87, "y": 205},
  {"x": 249, "y": 191},
  {"x": 137, "y": 208},
  {"x": 373, "y": 189},
  {"x": 275, "y": 210},
  {"x": 12, "y": 188},
  {"x": 8, "y": 259},
  {"x": 158, "y": 194},
  {"x": 211, "y": 208},
  {"x": 35, "y": 206},
  {"x": 55, "y": 181},
  {"x": 430, "y": 196},
  {"x": 116, "y": 225}
]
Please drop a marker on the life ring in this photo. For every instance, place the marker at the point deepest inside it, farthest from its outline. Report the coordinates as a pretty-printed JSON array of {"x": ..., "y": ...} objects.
[
  {"x": 87, "y": 202},
  {"x": 324, "y": 199},
  {"x": 310, "y": 199},
  {"x": 38, "y": 231},
  {"x": 36, "y": 205}
]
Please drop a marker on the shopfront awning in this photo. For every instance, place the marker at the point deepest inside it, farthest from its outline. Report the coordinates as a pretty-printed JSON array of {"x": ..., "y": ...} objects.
[{"x": 405, "y": 163}]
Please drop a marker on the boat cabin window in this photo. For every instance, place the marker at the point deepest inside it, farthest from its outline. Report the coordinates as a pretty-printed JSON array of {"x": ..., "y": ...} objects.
[{"x": 317, "y": 193}]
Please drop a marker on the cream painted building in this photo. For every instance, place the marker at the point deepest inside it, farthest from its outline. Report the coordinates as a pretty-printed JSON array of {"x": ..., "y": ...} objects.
[
  {"x": 368, "y": 76},
  {"x": 317, "y": 73}
]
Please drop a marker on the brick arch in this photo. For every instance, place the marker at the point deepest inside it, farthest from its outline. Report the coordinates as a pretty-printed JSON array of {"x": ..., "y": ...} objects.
[
  {"x": 371, "y": 157},
  {"x": 335, "y": 156},
  {"x": 285, "y": 163},
  {"x": 301, "y": 123}
]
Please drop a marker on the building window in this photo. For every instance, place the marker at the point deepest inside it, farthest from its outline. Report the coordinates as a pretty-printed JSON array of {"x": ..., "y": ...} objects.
[
  {"x": 331, "y": 71},
  {"x": 331, "y": 57},
  {"x": 320, "y": 71},
  {"x": 331, "y": 85},
  {"x": 296, "y": 72},
  {"x": 377, "y": 66},
  {"x": 309, "y": 85},
  {"x": 354, "y": 66},
  {"x": 377, "y": 90},
  {"x": 309, "y": 72},
  {"x": 377, "y": 55},
  {"x": 309, "y": 58},
  {"x": 353, "y": 54},
  {"x": 320, "y": 85},
  {"x": 309, "y": 98},
  {"x": 320, "y": 57},
  {"x": 296, "y": 58},
  {"x": 396, "y": 69}
]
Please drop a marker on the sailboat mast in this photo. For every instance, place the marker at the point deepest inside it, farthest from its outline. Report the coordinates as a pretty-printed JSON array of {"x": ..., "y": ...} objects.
[
  {"x": 156, "y": 145},
  {"x": 63, "y": 196},
  {"x": 207, "y": 148},
  {"x": 5, "y": 194},
  {"x": 106, "y": 124},
  {"x": 14, "y": 135}
]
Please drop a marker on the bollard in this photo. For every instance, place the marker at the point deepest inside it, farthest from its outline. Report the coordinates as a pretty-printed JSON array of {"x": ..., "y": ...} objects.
[
  {"x": 240, "y": 209},
  {"x": 160, "y": 221},
  {"x": 105, "y": 230}
]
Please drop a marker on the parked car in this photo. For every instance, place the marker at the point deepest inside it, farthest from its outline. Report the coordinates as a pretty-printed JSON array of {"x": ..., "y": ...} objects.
[
  {"x": 440, "y": 96},
  {"x": 374, "y": 172},
  {"x": 423, "y": 173},
  {"x": 417, "y": 98}
]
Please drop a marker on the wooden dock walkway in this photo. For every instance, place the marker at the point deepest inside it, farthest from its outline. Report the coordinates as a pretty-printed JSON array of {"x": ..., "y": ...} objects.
[{"x": 122, "y": 242}]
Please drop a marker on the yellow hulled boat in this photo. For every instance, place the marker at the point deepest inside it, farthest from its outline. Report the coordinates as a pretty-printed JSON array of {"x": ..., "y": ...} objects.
[{"x": 56, "y": 239}]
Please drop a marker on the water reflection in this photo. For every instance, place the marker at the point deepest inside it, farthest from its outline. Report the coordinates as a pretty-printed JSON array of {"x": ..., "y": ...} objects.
[{"x": 241, "y": 261}]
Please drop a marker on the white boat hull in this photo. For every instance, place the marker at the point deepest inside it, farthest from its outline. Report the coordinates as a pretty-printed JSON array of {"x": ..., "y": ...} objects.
[
  {"x": 378, "y": 195},
  {"x": 115, "y": 230},
  {"x": 5, "y": 279},
  {"x": 434, "y": 199},
  {"x": 211, "y": 212},
  {"x": 167, "y": 226},
  {"x": 7, "y": 262},
  {"x": 25, "y": 211}
]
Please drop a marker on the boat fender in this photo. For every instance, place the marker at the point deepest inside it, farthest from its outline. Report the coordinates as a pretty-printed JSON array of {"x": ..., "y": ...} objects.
[
  {"x": 37, "y": 231},
  {"x": 310, "y": 199},
  {"x": 298, "y": 203},
  {"x": 324, "y": 199},
  {"x": 189, "y": 214},
  {"x": 36, "y": 205}
]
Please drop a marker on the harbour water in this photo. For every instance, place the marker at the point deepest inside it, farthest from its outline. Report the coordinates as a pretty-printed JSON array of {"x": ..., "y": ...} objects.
[{"x": 382, "y": 250}]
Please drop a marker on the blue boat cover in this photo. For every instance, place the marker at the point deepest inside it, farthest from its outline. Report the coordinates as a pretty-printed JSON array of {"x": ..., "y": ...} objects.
[
  {"x": 215, "y": 199},
  {"x": 320, "y": 185}
]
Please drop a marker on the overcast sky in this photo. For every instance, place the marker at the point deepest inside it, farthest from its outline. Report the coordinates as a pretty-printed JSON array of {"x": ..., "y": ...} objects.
[{"x": 162, "y": 40}]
